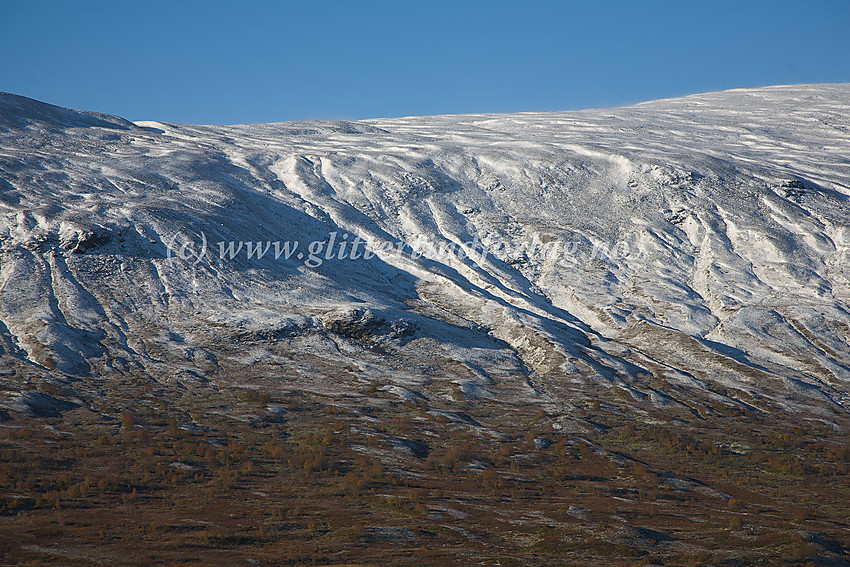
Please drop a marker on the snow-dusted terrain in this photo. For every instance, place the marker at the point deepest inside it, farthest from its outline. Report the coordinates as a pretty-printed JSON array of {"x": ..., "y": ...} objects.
[{"x": 671, "y": 252}]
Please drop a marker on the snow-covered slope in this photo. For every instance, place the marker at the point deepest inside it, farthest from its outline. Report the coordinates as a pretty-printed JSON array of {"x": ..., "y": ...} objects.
[{"x": 678, "y": 250}]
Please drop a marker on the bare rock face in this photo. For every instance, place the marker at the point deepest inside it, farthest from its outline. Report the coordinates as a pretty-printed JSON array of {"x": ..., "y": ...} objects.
[
  {"x": 79, "y": 239},
  {"x": 364, "y": 324},
  {"x": 678, "y": 250}
]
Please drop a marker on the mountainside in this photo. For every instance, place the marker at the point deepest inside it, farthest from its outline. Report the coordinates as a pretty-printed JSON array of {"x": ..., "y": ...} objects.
[
  {"x": 655, "y": 248},
  {"x": 588, "y": 338}
]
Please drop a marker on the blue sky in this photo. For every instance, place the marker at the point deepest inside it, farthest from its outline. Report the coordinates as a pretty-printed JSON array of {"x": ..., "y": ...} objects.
[{"x": 252, "y": 61}]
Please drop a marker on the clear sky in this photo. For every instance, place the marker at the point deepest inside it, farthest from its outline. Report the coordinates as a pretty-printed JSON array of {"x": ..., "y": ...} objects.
[{"x": 219, "y": 62}]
